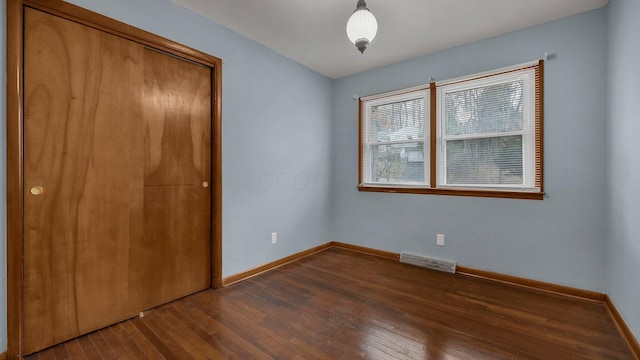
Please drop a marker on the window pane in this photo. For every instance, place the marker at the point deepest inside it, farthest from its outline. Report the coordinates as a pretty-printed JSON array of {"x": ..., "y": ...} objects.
[
  {"x": 402, "y": 120},
  {"x": 490, "y": 109},
  {"x": 488, "y": 161},
  {"x": 398, "y": 164}
]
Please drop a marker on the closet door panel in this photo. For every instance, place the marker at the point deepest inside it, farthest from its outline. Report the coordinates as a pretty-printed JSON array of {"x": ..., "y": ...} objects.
[
  {"x": 83, "y": 201},
  {"x": 174, "y": 257}
]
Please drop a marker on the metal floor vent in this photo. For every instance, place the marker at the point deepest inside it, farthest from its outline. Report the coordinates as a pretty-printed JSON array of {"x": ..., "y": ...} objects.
[{"x": 429, "y": 263}]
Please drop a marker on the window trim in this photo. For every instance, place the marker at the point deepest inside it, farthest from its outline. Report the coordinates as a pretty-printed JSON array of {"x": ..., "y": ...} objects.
[{"x": 433, "y": 187}]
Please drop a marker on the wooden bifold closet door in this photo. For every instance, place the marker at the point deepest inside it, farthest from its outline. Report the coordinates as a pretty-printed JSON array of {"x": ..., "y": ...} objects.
[{"x": 117, "y": 165}]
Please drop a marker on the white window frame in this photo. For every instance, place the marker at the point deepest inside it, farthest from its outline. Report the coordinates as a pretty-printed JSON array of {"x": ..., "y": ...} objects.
[
  {"x": 368, "y": 144},
  {"x": 527, "y": 76}
]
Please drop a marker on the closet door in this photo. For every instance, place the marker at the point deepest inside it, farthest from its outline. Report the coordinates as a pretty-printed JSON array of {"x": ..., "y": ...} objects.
[
  {"x": 83, "y": 142},
  {"x": 174, "y": 257},
  {"x": 116, "y": 152}
]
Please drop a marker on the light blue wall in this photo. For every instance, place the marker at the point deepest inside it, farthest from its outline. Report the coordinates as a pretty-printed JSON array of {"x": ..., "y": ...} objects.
[
  {"x": 624, "y": 161},
  {"x": 276, "y": 131},
  {"x": 558, "y": 240}
]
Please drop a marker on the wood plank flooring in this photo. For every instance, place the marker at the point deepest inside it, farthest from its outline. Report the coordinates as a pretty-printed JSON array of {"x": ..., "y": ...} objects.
[{"x": 340, "y": 304}]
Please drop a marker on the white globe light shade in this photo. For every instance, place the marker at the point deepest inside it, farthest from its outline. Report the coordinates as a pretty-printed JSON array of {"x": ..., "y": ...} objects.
[{"x": 362, "y": 25}]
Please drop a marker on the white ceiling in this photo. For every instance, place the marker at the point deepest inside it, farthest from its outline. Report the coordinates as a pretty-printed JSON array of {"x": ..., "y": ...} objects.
[{"x": 312, "y": 32}]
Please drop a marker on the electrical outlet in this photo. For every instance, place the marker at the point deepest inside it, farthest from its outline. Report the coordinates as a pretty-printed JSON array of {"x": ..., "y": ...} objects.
[
  {"x": 440, "y": 239},
  {"x": 274, "y": 238}
]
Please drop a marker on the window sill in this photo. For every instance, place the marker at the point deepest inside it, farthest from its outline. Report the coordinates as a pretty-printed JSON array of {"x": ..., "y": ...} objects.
[{"x": 455, "y": 192}]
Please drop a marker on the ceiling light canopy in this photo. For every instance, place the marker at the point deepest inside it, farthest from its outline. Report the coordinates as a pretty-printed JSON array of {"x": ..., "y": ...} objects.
[{"x": 362, "y": 26}]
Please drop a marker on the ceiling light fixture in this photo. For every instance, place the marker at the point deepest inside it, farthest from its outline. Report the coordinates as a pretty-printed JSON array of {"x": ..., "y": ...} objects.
[{"x": 362, "y": 26}]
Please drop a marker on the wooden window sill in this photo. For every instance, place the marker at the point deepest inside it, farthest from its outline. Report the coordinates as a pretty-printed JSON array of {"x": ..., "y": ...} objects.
[{"x": 456, "y": 192}]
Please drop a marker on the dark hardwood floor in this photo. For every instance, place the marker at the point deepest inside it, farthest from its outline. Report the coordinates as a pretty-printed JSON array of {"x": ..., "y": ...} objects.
[{"x": 340, "y": 304}]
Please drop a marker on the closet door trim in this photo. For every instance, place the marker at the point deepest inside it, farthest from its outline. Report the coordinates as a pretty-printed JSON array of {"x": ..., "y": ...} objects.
[{"x": 15, "y": 144}]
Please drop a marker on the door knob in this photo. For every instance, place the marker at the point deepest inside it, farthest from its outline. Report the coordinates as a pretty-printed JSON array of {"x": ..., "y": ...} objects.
[
  {"x": 205, "y": 184},
  {"x": 36, "y": 190}
]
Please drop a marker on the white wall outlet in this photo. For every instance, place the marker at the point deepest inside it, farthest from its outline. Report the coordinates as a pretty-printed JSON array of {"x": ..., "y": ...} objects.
[
  {"x": 274, "y": 237},
  {"x": 440, "y": 239}
]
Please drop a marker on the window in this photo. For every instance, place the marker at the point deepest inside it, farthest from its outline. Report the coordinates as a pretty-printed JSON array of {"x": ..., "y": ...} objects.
[
  {"x": 474, "y": 136},
  {"x": 395, "y": 131}
]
